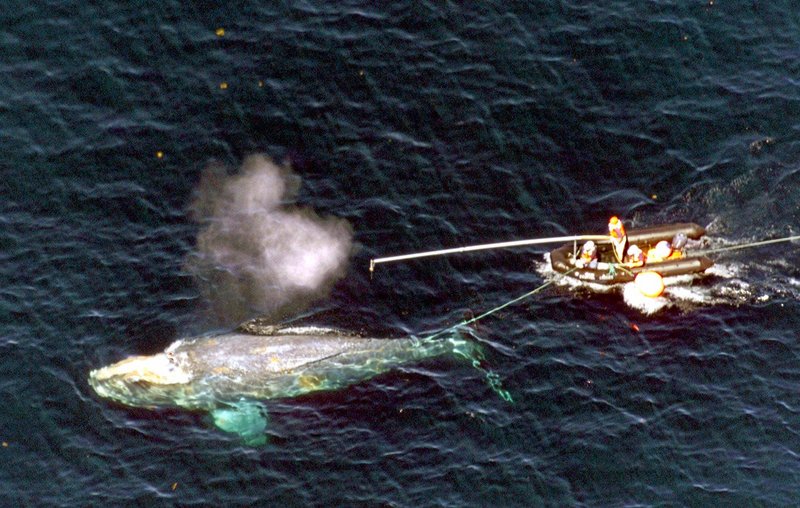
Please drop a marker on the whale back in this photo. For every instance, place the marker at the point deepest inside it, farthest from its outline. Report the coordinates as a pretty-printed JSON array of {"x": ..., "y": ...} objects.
[
  {"x": 261, "y": 355},
  {"x": 204, "y": 372},
  {"x": 238, "y": 365}
]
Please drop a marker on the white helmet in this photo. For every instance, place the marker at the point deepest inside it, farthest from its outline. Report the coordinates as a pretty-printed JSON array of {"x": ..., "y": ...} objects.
[{"x": 663, "y": 249}]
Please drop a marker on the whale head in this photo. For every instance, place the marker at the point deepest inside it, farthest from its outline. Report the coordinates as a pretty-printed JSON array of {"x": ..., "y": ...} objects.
[{"x": 142, "y": 381}]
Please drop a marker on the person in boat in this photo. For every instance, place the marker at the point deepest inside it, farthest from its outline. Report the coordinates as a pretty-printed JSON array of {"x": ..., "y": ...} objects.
[
  {"x": 679, "y": 242},
  {"x": 588, "y": 256},
  {"x": 663, "y": 251},
  {"x": 634, "y": 256},
  {"x": 619, "y": 240}
]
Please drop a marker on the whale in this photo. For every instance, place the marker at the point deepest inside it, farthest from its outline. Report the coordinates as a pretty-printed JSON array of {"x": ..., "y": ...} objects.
[{"x": 229, "y": 375}]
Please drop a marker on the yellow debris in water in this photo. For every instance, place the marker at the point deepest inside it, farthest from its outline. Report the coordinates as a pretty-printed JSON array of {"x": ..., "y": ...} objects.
[
  {"x": 174, "y": 485},
  {"x": 309, "y": 382},
  {"x": 654, "y": 196},
  {"x": 160, "y": 154},
  {"x": 5, "y": 445},
  {"x": 220, "y": 32},
  {"x": 223, "y": 85},
  {"x": 260, "y": 84}
]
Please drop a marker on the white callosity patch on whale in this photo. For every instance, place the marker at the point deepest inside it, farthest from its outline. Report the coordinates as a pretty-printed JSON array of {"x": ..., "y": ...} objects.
[{"x": 161, "y": 369}]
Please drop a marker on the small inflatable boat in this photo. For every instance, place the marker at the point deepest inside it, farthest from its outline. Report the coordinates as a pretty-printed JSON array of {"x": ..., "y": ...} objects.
[{"x": 609, "y": 271}]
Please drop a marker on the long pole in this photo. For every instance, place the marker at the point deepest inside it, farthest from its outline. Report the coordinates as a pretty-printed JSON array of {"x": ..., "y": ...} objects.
[{"x": 515, "y": 243}]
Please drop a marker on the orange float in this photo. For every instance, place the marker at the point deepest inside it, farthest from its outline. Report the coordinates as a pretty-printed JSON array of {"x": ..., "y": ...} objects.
[{"x": 650, "y": 284}]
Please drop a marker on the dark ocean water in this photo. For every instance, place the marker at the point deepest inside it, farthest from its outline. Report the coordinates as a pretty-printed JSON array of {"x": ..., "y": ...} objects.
[{"x": 424, "y": 125}]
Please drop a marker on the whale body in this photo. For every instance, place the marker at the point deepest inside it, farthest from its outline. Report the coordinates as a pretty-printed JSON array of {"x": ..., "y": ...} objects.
[{"x": 228, "y": 374}]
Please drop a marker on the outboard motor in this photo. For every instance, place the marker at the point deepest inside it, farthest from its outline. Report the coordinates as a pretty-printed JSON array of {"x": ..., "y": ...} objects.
[{"x": 679, "y": 241}]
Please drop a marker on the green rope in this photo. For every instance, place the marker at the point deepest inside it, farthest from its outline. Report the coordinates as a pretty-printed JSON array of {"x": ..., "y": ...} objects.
[
  {"x": 492, "y": 378},
  {"x": 500, "y": 307},
  {"x": 494, "y": 382},
  {"x": 751, "y": 244},
  {"x": 621, "y": 267}
]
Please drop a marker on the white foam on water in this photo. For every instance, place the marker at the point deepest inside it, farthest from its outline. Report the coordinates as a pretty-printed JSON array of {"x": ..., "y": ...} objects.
[
  {"x": 690, "y": 294},
  {"x": 646, "y": 304},
  {"x": 725, "y": 270},
  {"x": 725, "y": 284}
]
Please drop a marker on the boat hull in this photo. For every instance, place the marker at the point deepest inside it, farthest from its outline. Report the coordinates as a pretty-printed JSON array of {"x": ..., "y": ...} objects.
[{"x": 607, "y": 273}]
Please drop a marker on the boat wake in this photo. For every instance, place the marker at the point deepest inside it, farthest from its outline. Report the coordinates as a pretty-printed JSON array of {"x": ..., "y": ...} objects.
[{"x": 728, "y": 283}]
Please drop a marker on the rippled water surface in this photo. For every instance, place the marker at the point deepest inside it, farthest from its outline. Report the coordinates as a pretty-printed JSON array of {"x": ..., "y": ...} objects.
[{"x": 423, "y": 125}]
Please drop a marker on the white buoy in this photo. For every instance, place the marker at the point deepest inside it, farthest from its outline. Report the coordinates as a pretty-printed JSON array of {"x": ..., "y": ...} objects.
[{"x": 650, "y": 284}]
